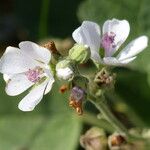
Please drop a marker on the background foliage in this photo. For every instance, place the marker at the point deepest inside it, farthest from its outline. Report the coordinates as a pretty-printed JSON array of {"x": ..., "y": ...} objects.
[{"x": 53, "y": 125}]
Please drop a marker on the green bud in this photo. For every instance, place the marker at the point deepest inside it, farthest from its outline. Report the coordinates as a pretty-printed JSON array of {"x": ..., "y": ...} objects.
[
  {"x": 63, "y": 64},
  {"x": 79, "y": 53}
]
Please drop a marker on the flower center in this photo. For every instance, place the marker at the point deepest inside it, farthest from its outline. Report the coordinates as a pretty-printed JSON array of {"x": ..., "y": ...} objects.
[
  {"x": 34, "y": 75},
  {"x": 108, "y": 41}
]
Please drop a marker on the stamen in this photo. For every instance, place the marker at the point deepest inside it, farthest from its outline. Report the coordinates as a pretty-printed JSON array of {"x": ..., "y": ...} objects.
[
  {"x": 108, "y": 41},
  {"x": 33, "y": 75}
]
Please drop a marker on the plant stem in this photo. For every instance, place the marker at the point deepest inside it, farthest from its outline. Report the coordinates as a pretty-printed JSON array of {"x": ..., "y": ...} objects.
[
  {"x": 93, "y": 120},
  {"x": 43, "y": 23},
  {"x": 103, "y": 108}
]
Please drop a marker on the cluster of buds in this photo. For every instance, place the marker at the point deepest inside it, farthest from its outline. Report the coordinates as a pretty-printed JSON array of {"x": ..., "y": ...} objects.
[
  {"x": 104, "y": 78},
  {"x": 96, "y": 139}
]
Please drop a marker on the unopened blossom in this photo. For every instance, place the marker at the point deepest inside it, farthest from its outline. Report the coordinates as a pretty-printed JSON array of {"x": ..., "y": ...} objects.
[
  {"x": 116, "y": 141},
  {"x": 76, "y": 98},
  {"x": 114, "y": 33},
  {"x": 64, "y": 73},
  {"x": 27, "y": 67},
  {"x": 63, "y": 70}
]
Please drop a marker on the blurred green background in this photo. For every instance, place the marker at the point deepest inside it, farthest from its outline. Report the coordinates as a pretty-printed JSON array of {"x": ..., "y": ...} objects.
[{"x": 53, "y": 125}]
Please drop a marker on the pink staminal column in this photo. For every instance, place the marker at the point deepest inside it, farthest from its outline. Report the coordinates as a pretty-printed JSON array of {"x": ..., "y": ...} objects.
[
  {"x": 34, "y": 75},
  {"x": 108, "y": 42}
]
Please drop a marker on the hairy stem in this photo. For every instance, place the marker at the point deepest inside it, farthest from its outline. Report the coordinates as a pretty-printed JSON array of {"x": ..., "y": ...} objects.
[
  {"x": 93, "y": 120},
  {"x": 103, "y": 108}
]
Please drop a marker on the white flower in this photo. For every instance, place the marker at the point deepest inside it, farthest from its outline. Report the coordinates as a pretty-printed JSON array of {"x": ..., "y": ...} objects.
[
  {"x": 24, "y": 68},
  {"x": 114, "y": 34},
  {"x": 64, "y": 73}
]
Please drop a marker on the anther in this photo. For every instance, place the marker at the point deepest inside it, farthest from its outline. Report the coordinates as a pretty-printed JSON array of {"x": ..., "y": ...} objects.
[
  {"x": 34, "y": 75},
  {"x": 108, "y": 41}
]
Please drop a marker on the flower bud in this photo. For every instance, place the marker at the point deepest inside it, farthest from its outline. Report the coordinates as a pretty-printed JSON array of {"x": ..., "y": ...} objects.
[
  {"x": 94, "y": 139},
  {"x": 116, "y": 141},
  {"x": 63, "y": 70},
  {"x": 63, "y": 64},
  {"x": 104, "y": 78},
  {"x": 64, "y": 73},
  {"x": 79, "y": 53},
  {"x": 77, "y": 96}
]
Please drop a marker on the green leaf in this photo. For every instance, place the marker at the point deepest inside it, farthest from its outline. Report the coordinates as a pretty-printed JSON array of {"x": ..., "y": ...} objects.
[
  {"x": 59, "y": 133},
  {"x": 39, "y": 132},
  {"x": 51, "y": 125},
  {"x": 133, "y": 88},
  {"x": 17, "y": 132}
]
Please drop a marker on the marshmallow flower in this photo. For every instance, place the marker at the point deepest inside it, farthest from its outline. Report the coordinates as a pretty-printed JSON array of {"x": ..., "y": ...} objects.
[
  {"x": 114, "y": 34},
  {"x": 27, "y": 67}
]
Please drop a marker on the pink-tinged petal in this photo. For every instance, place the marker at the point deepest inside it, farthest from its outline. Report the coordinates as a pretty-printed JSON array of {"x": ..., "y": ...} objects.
[
  {"x": 29, "y": 102},
  {"x": 133, "y": 48},
  {"x": 35, "y": 51},
  {"x": 120, "y": 29},
  {"x": 17, "y": 84},
  {"x": 14, "y": 61},
  {"x": 89, "y": 34}
]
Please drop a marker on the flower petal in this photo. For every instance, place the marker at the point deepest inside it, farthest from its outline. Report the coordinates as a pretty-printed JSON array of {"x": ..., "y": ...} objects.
[
  {"x": 133, "y": 48},
  {"x": 89, "y": 34},
  {"x": 35, "y": 51},
  {"x": 128, "y": 60},
  {"x": 112, "y": 61},
  {"x": 120, "y": 28},
  {"x": 7, "y": 77},
  {"x": 50, "y": 84},
  {"x": 14, "y": 61},
  {"x": 29, "y": 102},
  {"x": 17, "y": 84}
]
